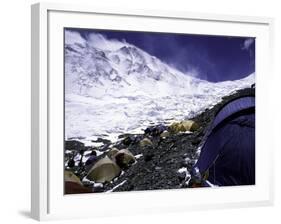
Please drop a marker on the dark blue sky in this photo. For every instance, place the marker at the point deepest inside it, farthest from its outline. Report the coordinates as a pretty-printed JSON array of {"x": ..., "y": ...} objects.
[{"x": 214, "y": 58}]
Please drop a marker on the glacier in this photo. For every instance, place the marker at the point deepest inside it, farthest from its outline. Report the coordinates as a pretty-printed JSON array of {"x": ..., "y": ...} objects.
[{"x": 113, "y": 87}]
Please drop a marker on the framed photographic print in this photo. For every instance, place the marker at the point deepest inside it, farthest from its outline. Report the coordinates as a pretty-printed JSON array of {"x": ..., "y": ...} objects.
[{"x": 162, "y": 111}]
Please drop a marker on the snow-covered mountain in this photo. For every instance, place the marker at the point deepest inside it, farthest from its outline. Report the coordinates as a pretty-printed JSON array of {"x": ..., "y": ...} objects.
[{"x": 113, "y": 87}]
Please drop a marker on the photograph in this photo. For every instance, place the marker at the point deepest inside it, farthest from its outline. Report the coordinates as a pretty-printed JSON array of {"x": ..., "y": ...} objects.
[{"x": 157, "y": 110}]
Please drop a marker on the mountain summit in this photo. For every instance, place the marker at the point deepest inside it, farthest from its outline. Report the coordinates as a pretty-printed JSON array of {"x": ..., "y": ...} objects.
[{"x": 122, "y": 69}]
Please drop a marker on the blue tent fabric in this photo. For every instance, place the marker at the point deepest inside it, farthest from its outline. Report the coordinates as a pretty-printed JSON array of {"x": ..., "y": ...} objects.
[
  {"x": 229, "y": 151},
  {"x": 233, "y": 107}
]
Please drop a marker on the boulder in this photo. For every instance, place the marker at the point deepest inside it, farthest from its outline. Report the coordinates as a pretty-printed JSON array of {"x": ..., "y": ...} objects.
[
  {"x": 112, "y": 152},
  {"x": 128, "y": 140},
  {"x": 124, "y": 158},
  {"x": 155, "y": 130},
  {"x": 190, "y": 125},
  {"x": 71, "y": 163},
  {"x": 102, "y": 140},
  {"x": 146, "y": 142},
  {"x": 91, "y": 160},
  {"x": 74, "y": 145},
  {"x": 75, "y": 188},
  {"x": 175, "y": 127},
  {"x": 165, "y": 134},
  {"x": 183, "y": 126},
  {"x": 71, "y": 177},
  {"x": 93, "y": 153},
  {"x": 104, "y": 170},
  {"x": 148, "y": 130}
]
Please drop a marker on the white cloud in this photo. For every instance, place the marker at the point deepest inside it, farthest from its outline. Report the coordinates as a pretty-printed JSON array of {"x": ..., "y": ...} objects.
[
  {"x": 247, "y": 43},
  {"x": 101, "y": 42}
]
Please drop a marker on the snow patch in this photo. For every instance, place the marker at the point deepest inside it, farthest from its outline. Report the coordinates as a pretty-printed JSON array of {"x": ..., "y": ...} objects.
[
  {"x": 182, "y": 170},
  {"x": 98, "y": 185},
  {"x": 210, "y": 184},
  {"x": 115, "y": 187},
  {"x": 112, "y": 88},
  {"x": 187, "y": 174},
  {"x": 138, "y": 156}
]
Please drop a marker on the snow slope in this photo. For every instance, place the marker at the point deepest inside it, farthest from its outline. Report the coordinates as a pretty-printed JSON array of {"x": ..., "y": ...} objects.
[{"x": 113, "y": 87}]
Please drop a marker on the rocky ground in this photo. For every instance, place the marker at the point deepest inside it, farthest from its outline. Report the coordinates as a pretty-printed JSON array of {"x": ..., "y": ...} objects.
[{"x": 164, "y": 162}]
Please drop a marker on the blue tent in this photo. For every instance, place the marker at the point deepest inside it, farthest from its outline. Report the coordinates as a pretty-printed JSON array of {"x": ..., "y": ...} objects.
[{"x": 227, "y": 157}]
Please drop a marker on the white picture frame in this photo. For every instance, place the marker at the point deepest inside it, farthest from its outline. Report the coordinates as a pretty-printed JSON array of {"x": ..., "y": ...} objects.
[{"x": 48, "y": 201}]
